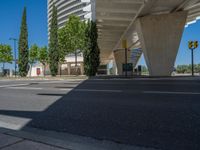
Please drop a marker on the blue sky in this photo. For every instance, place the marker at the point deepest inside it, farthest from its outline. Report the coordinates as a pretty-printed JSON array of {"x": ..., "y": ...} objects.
[{"x": 11, "y": 13}]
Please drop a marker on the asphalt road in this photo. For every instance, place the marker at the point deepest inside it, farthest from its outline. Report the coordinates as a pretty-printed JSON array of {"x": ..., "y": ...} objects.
[{"x": 155, "y": 113}]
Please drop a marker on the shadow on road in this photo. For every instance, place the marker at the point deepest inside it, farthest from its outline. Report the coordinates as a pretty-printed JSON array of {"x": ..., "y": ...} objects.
[{"x": 158, "y": 121}]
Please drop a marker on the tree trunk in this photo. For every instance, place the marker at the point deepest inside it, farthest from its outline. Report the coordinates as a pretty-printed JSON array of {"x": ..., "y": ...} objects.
[
  {"x": 76, "y": 67},
  {"x": 60, "y": 69},
  {"x": 30, "y": 70},
  {"x": 44, "y": 68},
  {"x": 3, "y": 69}
]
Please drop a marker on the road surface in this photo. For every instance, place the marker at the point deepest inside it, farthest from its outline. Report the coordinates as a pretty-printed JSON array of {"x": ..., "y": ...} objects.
[{"x": 156, "y": 113}]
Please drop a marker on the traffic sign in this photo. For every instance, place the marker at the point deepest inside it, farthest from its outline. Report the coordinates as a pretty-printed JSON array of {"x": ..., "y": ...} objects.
[
  {"x": 196, "y": 44},
  {"x": 193, "y": 44},
  {"x": 190, "y": 44},
  {"x": 127, "y": 67},
  {"x": 124, "y": 43}
]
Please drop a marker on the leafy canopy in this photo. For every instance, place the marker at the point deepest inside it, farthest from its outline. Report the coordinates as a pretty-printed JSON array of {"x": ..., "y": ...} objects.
[
  {"x": 53, "y": 44},
  {"x": 91, "y": 52},
  {"x": 43, "y": 55},
  {"x": 33, "y": 54},
  {"x": 6, "y": 54},
  {"x": 23, "y": 47},
  {"x": 72, "y": 36}
]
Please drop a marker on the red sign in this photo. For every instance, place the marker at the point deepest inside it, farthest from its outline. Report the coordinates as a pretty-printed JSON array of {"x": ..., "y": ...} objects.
[{"x": 38, "y": 71}]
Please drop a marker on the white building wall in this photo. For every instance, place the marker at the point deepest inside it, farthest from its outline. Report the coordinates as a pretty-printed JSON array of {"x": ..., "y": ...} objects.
[
  {"x": 66, "y": 8},
  {"x": 33, "y": 71}
]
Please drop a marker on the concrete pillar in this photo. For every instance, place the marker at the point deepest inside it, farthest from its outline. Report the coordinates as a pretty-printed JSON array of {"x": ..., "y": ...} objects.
[
  {"x": 119, "y": 56},
  {"x": 108, "y": 69},
  {"x": 69, "y": 68},
  {"x": 11, "y": 73},
  {"x": 114, "y": 68},
  {"x": 160, "y": 37}
]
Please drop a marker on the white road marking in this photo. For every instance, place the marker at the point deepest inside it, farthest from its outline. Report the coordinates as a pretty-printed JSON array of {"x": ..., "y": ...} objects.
[
  {"x": 14, "y": 123},
  {"x": 25, "y": 88},
  {"x": 49, "y": 82},
  {"x": 66, "y": 89},
  {"x": 13, "y": 85},
  {"x": 62, "y": 81},
  {"x": 93, "y": 90},
  {"x": 10, "y": 126},
  {"x": 168, "y": 92},
  {"x": 6, "y": 80}
]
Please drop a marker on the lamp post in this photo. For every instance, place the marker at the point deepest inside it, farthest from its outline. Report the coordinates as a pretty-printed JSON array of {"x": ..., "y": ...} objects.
[{"x": 15, "y": 40}]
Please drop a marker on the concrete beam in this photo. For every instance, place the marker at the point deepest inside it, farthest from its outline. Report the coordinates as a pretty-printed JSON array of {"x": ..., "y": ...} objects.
[
  {"x": 116, "y": 18},
  {"x": 101, "y": 11},
  {"x": 120, "y": 1},
  {"x": 160, "y": 37}
]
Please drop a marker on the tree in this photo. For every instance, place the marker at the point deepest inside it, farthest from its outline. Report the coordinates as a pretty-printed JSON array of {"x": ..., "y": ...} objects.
[
  {"x": 72, "y": 36},
  {"x": 43, "y": 57},
  {"x": 33, "y": 55},
  {"x": 62, "y": 55},
  {"x": 5, "y": 54},
  {"x": 23, "y": 47},
  {"x": 182, "y": 69},
  {"x": 145, "y": 70},
  {"x": 53, "y": 43},
  {"x": 187, "y": 68},
  {"x": 91, "y": 52}
]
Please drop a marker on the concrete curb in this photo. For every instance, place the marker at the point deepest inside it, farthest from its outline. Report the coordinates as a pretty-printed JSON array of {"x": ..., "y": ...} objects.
[
  {"x": 44, "y": 78},
  {"x": 68, "y": 141}
]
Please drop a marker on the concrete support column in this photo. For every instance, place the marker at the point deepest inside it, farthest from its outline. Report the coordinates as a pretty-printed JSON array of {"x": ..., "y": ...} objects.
[
  {"x": 69, "y": 68},
  {"x": 114, "y": 68},
  {"x": 120, "y": 60},
  {"x": 108, "y": 69},
  {"x": 11, "y": 73},
  {"x": 82, "y": 68},
  {"x": 160, "y": 37}
]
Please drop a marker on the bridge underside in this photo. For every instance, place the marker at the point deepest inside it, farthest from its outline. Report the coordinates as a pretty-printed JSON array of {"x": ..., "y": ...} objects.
[{"x": 151, "y": 27}]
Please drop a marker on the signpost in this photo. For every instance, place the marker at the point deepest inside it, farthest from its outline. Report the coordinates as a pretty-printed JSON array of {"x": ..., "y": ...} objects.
[
  {"x": 192, "y": 46},
  {"x": 128, "y": 67}
]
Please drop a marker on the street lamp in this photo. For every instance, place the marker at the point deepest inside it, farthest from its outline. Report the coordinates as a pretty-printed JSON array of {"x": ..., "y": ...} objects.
[{"x": 15, "y": 40}]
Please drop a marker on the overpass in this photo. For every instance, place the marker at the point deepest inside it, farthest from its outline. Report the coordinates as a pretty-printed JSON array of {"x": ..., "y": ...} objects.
[{"x": 154, "y": 27}]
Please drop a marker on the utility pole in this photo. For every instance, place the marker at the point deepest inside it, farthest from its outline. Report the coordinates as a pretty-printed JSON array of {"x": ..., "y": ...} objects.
[{"x": 15, "y": 51}]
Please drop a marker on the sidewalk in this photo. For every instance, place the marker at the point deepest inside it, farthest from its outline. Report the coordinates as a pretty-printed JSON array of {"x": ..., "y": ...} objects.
[
  {"x": 112, "y": 77},
  {"x": 10, "y": 141},
  {"x": 47, "y": 140},
  {"x": 81, "y": 77}
]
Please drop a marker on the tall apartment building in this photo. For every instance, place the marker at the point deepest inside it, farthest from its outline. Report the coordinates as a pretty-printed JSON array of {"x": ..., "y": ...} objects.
[
  {"x": 65, "y": 8},
  {"x": 69, "y": 7}
]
